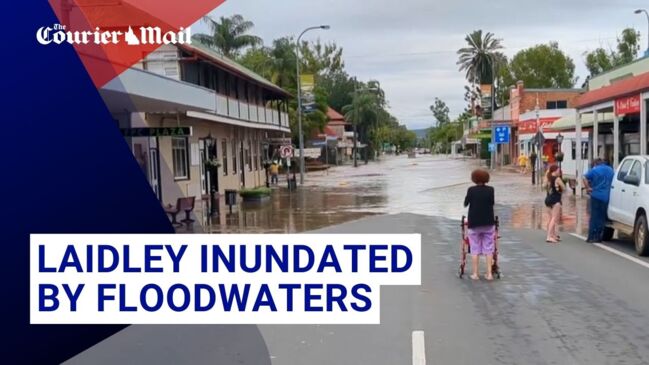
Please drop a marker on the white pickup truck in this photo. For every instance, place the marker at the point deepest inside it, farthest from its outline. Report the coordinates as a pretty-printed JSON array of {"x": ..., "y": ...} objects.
[{"x": 629, "y": 202}]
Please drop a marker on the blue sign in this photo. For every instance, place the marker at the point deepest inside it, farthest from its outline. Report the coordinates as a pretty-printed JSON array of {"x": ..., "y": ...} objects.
[
  {"x": 492, "y": 147},
  {"x": 502, "y": 134}
]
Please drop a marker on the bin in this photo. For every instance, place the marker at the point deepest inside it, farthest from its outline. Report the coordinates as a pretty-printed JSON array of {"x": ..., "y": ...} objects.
[{"x": 230, "y": 198}]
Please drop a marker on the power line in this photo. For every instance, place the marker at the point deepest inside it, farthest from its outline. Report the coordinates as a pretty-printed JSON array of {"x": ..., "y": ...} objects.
[{"x": 448, "y": 51}]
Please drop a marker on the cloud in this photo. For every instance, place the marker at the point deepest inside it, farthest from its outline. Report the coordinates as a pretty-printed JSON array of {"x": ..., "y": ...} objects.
[{"x": 410, "y": 45}]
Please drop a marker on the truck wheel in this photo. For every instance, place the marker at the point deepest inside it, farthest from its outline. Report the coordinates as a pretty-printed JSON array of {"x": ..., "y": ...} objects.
[
  {"x": 608, "y": 234},
  {"x": 641, "y": 236}
]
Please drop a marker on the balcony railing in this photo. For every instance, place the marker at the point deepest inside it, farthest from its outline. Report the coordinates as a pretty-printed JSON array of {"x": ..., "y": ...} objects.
[{"x": 163, "y": 93}]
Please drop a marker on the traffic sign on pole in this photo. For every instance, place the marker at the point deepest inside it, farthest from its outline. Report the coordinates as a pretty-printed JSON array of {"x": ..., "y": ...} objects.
[
  {"x": 503, "y": 134},
  {"x": 286, "y": 151}
]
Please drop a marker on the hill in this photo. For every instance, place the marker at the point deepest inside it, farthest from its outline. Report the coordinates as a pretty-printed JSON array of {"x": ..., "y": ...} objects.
[{"x": 421, "y": 133}]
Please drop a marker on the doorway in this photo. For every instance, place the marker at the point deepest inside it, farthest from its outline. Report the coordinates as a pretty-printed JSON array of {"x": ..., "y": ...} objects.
[
  {"x": 209, "y": 176},
  {"x": 154, "y": 167}
]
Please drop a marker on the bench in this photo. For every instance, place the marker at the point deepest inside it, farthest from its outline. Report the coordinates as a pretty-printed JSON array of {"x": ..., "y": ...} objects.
[{"x": 182, "y": 204}]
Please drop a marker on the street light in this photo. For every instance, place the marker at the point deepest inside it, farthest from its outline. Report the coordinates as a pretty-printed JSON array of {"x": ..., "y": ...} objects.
[
  {"x": 299, "y": 97},
  {"x": 640, "y": 11},
  {"x": 560, "y": 154}
]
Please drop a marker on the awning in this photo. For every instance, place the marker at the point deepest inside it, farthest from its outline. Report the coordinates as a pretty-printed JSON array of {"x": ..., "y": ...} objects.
[
  {"x": 630, "y": 86},
  {"x": 569, "y": 122},
  {"x": 482, "y": 135},
  {"x": 467, "y": 141}
]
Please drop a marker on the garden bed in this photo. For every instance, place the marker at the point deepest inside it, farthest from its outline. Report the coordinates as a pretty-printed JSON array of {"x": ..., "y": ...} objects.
[{"x": 255, "y": 195}]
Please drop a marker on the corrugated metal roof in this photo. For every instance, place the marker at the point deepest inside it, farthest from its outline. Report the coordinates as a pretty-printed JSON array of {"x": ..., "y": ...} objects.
[
  {"x": 334, "y": 115},
  {"x": 631, "y": 86},
  {"x": 569, "y": 121}
]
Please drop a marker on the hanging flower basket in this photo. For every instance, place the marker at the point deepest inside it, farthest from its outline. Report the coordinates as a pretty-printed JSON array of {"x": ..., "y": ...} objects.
[
  {"x": 212, "y": 164},
  {"x": 558, "y": 156}
]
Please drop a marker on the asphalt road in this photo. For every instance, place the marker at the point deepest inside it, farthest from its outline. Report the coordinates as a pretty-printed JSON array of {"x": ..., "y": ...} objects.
[{"x": 571, "y": 303}]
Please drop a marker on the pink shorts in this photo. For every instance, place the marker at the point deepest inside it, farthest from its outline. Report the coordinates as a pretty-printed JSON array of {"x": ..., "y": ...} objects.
[{"x": 482, "y": 240}]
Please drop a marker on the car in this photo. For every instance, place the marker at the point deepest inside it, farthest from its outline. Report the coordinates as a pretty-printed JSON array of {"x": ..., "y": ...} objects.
[{"x": 629, "y": 202}]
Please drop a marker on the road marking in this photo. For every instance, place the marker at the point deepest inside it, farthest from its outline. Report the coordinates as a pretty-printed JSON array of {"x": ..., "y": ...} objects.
[
  {"x": 418, "y": 348},
  {"x": 616, "y": 252}
]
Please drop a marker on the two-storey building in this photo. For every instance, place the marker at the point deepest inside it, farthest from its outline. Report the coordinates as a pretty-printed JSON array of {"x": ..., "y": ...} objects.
[{"x": 196, "y": 121}]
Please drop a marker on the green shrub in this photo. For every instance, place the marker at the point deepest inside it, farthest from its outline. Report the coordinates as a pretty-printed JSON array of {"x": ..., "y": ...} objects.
[{"x": 256, "y": 192}]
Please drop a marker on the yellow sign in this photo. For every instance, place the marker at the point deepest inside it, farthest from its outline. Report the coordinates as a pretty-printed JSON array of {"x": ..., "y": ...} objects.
[{"x": 307, "y": 86}]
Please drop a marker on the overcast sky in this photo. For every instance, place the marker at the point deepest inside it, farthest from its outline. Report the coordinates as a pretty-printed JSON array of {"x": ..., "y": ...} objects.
[{"x": 410, "y": 45}]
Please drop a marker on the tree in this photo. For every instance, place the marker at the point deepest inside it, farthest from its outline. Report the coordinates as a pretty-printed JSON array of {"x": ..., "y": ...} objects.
[
  {"x": 228, "y": 35},
  {"x": 321, "y": 58},
  {"x": 481, "y": 57},
  {"x": 541, "y": 66},
  {"x": 363, "y": 103},
  {"x": 362, "y": 110},
  {"x": 339, "y": 87},
  {"x": 440, "y": 112},
  {"x": 601, "y": 60},
  {"x": 260, "y": 60},
  {"x": 404, "y": 139},
  {"x": 361, "y": 113}
]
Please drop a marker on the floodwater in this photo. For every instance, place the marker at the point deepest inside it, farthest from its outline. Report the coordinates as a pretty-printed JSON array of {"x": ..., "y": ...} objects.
[{"x": 428, "y": 185}]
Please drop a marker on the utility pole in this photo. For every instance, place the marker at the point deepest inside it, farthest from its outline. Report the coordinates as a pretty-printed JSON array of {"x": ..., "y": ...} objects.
[{"x": 299, "y": 98}]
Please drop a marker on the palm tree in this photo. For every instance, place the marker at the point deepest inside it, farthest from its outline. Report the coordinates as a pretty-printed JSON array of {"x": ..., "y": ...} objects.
[
  {"x": 481, "y": 57},
  {"x": 228, "y": 35},
  {"x": 363, "y": 109}
]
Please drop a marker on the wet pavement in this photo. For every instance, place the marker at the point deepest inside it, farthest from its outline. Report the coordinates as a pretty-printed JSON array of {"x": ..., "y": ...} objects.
[
  {"x": 427, "y": 185},
  {"x": 554, "y": 305}
]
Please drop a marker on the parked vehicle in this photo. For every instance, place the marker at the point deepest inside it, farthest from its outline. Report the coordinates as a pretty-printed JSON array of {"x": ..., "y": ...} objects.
[{"x": 629, "y": 202}]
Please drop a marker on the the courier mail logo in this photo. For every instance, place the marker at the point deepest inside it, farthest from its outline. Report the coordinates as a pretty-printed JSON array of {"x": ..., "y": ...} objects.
[{"x": 58, "y": 34}]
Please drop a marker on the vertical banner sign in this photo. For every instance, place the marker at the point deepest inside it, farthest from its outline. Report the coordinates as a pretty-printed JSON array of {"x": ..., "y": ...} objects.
[
  {"x": 486, "y": 95},
  {"x": 307, "y": 86}
]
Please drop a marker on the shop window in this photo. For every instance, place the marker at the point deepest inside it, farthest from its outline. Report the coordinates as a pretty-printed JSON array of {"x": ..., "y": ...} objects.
[
  {"x": 257, "y": 154},
  {"x": 584, "y": 150},
  {"x": 180, "y": 155},
  {"x": 224, "y": 148},
  {"x": 234, "y": 157},
  {"x": 556, "y": 104},
  {"x": 249, "y": 155}
]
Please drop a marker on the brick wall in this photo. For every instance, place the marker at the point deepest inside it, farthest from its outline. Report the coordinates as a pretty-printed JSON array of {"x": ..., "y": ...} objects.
[
  {"x": 523, "y": 100},
  {"x": 528, "y": 99}
]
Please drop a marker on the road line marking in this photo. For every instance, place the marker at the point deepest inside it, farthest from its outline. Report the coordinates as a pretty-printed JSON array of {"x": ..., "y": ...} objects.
[
  {"x": 418, "y": 348},
  {"x": 616, "y": 252}
]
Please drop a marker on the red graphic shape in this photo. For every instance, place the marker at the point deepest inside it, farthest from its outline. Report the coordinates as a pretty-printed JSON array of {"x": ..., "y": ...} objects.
[{"x": 104, "y": 62}]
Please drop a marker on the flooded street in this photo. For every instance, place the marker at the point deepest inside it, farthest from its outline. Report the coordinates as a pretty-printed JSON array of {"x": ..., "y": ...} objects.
[{"x": 426, "y": 185}]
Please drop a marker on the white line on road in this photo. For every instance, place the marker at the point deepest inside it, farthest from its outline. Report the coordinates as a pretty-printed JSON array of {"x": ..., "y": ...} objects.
[
  {"x": 616, "y": 252},
  {"x": 418, "y": 348}
]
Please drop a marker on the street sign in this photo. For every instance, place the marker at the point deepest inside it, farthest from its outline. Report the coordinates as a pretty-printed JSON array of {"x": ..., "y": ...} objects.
[
  {"x": 157, "y": 132},
  {"x": 502, "y": 134},
  {"x": 286, "y": 151},
  {"x": 492, "y": 147}
]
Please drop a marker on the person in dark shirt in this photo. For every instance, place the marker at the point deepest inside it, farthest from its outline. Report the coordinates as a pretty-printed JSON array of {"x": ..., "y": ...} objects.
[
  {"x": 481, "y": 223},
  {"x": 555, "y": 187}
]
